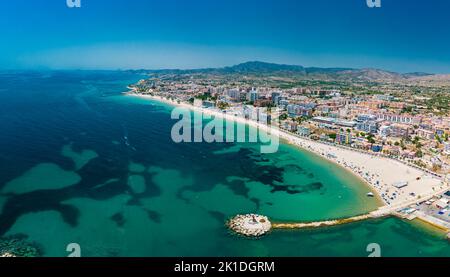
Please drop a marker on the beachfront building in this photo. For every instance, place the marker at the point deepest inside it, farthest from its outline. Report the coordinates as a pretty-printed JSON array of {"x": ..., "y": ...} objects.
[
  {"x": 264, "y": 117},
  {"x": 256, "y": 114},
  {"x": 344, "y": 137},
  {"x": 291, "y": 126},
  {"x": 304, "y": 131},
  {"x": 408, "y": 154},
  {"x": 391, "y": 150},
  {"x": 367, "y": 123},
  {"x": 325, "y": 137},
  {"x": 360, "y": 143},
  {"x": 209, "y": 104},
  {"x": 247, "y": 111}
]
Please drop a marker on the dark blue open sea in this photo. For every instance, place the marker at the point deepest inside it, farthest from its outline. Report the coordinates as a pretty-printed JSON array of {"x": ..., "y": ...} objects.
[{"x": 82, "y": 163}]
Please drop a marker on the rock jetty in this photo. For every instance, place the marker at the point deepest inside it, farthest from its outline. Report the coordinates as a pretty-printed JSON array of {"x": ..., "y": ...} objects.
[
  {"x": 250, "y": 225},
  {"x": 17, "y": 246}
]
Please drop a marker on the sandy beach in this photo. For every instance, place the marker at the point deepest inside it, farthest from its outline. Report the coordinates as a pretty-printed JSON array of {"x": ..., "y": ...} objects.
[{"x": 380, "y": 173}]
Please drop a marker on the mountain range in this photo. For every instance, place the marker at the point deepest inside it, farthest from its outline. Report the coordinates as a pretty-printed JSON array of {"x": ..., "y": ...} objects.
[{"x": 298, "y": 71}]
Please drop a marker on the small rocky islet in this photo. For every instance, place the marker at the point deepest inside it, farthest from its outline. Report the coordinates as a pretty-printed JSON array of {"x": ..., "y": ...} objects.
[{"x": 18, "y": 246}]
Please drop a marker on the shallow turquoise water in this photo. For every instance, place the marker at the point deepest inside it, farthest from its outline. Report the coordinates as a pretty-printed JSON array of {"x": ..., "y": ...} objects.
[{"x": 79, "y": 162}]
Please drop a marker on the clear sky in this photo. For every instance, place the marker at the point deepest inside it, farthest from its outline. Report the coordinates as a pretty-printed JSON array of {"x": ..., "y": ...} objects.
[{"x": 402, "y": 35}]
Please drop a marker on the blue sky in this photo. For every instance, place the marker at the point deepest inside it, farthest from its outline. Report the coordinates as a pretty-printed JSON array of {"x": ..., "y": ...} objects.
[{"x": 402, "y": 35}]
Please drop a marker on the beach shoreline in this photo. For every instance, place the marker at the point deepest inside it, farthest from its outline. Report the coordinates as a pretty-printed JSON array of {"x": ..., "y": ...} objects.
[{"x": 380, "y": 174}]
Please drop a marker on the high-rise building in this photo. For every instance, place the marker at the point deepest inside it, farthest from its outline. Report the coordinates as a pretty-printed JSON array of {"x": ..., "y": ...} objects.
[
  {"x": 253, "y": 95},
  {"x": 234, "y": 94},
  {"x": 276, "y": 97}
]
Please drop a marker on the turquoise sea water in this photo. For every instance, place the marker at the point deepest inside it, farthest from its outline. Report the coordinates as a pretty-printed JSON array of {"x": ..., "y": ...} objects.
[{"x": 79, "y": 162}]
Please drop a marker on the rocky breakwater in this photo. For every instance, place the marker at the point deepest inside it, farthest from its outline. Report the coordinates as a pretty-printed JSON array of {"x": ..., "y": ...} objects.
[
  {"x": 250, "y": 225},
  {"x": 17, "y": 246}
]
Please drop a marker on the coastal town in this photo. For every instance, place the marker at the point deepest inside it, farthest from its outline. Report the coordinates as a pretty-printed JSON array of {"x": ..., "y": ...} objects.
[
  {"x": 380, "y": 119},
  {"x": 203, "y": 137},
  {"x": 390, "y": 134}
]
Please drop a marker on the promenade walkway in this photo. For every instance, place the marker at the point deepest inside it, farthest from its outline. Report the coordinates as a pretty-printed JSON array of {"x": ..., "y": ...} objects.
[{"x": 380, "y": 212}]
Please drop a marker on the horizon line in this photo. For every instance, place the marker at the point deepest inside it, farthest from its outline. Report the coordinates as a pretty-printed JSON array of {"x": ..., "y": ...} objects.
[{"x": 44, "y": 68}]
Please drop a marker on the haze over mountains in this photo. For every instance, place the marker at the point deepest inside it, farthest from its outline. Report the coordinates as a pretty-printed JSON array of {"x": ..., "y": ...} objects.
[{"x": 298, "y": 71}]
